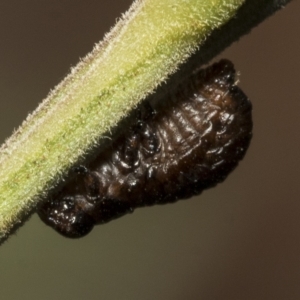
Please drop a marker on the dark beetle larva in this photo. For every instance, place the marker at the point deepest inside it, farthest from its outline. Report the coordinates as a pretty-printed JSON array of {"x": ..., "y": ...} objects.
[{"x": 190, "y": 144}]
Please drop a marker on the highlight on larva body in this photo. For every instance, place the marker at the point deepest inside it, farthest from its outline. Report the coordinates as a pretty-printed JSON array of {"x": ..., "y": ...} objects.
[{"x": 189, "y": 144}]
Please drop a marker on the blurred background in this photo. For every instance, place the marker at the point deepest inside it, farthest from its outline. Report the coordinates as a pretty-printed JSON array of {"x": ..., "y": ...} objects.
[{"x": 240, "y": 240}]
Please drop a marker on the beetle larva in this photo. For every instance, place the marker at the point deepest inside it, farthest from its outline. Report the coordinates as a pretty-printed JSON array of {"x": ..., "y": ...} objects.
[{"x": 190, "y": 144}]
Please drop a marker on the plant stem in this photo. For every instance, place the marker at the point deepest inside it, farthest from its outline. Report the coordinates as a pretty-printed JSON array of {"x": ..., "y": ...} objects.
[{"x": 147, "y": 45}]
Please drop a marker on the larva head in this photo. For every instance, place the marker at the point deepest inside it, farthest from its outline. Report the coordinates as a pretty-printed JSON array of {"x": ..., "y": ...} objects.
[{"x": 65, "y": 216}]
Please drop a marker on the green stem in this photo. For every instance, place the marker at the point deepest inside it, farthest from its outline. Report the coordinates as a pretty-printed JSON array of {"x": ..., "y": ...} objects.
[{"x": 142, "y": 50}]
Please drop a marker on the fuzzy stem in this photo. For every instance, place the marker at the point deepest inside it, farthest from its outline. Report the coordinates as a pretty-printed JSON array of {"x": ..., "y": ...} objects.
[{"x": 148, "y": 44}]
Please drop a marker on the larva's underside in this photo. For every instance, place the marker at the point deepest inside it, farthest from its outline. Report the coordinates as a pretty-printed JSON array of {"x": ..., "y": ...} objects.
[{"x": 192, "y": 143}]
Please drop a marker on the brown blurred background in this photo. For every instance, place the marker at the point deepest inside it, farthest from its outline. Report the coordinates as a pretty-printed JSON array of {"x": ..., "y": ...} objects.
[{"x": 240, "y": 240}]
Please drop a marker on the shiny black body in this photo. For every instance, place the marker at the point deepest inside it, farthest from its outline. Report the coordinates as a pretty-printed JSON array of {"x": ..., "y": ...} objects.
[{"x": 190, "y": 144}]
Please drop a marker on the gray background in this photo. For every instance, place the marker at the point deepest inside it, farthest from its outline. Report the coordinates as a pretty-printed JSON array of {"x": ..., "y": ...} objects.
[{"x": 240, "y": 240}]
